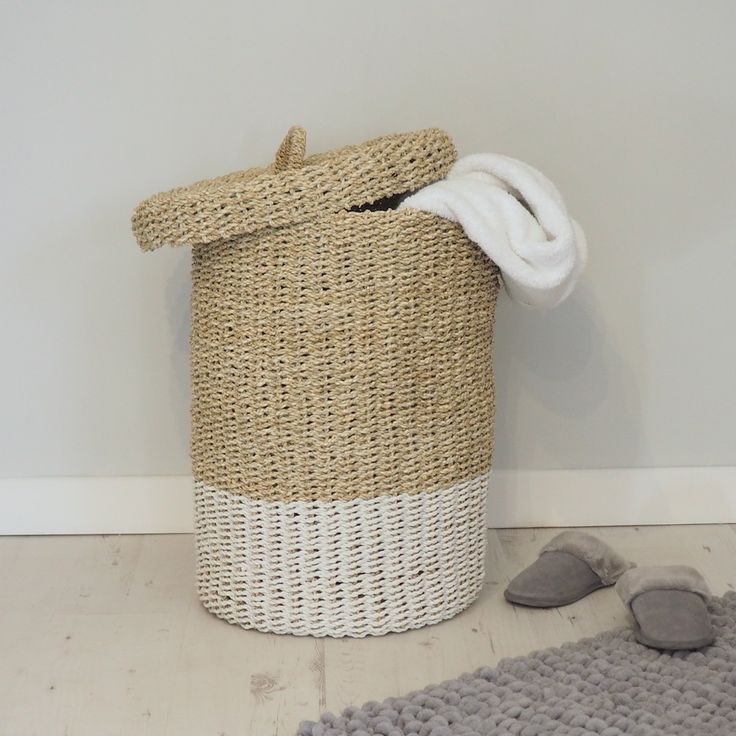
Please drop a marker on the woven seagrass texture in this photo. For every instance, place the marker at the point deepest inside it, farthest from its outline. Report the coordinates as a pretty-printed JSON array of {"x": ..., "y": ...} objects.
[
  {"x": 348, "y": 357},
  {"x": 608, "y": 685},
  {"x": 285, "y": 193},
  {"x": 342, "y": 389},
  {"x": 290, "y": 154},
  {"x": 341, "y": 568}
]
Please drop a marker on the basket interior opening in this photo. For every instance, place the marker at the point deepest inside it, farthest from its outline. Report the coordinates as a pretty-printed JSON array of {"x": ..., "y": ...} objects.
[{"x": 381, "y": 205}]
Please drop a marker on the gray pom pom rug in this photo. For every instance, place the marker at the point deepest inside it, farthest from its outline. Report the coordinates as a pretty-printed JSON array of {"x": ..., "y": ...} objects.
[{"x": 608, "y": 685}]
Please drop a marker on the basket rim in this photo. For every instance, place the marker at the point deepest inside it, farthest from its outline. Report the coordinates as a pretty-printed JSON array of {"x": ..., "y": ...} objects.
[{"x": 248, "y": 201}]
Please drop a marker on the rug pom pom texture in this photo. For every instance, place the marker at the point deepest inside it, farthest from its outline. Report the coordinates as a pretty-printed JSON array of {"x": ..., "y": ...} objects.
[{"x": 342, "y": 389}]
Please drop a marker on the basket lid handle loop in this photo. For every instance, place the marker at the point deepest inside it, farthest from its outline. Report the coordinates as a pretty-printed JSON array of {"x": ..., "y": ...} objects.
[{"x": 291, "y": 151}]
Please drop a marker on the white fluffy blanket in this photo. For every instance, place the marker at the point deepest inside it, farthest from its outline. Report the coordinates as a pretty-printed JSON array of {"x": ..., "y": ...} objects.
[{"x": 518, "y": 218}]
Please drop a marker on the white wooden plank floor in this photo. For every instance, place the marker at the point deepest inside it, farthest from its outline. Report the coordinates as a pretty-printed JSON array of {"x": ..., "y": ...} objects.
[{"x": 104, "y": 636}]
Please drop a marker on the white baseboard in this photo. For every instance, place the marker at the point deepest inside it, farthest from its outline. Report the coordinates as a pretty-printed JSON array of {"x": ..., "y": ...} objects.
[
  {"x": 101, "y": 505},
  {"x": 163, "y": 504},
  {"x": 613, "y": 497}
]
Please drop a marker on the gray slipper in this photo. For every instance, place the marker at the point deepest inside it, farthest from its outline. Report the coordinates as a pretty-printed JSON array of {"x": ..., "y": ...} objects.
[
  {"x": 668, "y": 606},
  {"x": 570, "y": 567}
]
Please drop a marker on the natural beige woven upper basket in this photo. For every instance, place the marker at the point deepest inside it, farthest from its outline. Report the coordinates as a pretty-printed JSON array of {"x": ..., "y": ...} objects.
[{"x": 342, "y": 393}]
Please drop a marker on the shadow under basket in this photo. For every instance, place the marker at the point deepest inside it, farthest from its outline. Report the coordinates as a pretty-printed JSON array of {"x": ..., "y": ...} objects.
[{"x": 342, "y": 389}]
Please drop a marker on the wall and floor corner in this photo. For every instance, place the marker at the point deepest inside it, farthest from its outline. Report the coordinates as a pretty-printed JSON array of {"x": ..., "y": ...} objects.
[{"x": 616, "y": 408}]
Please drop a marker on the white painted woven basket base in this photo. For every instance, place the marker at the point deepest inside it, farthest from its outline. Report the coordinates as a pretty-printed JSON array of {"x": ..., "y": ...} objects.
[{"x": 341, "y": 568}]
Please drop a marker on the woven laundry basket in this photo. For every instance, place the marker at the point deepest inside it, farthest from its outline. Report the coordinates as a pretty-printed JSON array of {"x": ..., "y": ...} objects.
[{"x": 342, "y": 389}]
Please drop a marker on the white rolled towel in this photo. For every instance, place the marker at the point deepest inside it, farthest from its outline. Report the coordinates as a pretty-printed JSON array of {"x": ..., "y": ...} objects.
[{"x": 518, "y": 218}]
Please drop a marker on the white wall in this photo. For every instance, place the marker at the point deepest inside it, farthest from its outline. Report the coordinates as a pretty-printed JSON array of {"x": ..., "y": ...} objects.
[{"x": 630, "y": 107}]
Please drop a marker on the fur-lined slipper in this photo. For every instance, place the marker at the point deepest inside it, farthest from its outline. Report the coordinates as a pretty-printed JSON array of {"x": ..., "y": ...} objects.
[
  {"x": 668, "y": 606},
  {"x": 570, "y": 567}
]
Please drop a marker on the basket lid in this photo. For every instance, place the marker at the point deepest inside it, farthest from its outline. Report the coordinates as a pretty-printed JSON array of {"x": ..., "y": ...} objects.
[{"x": 293, "y": 188}]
